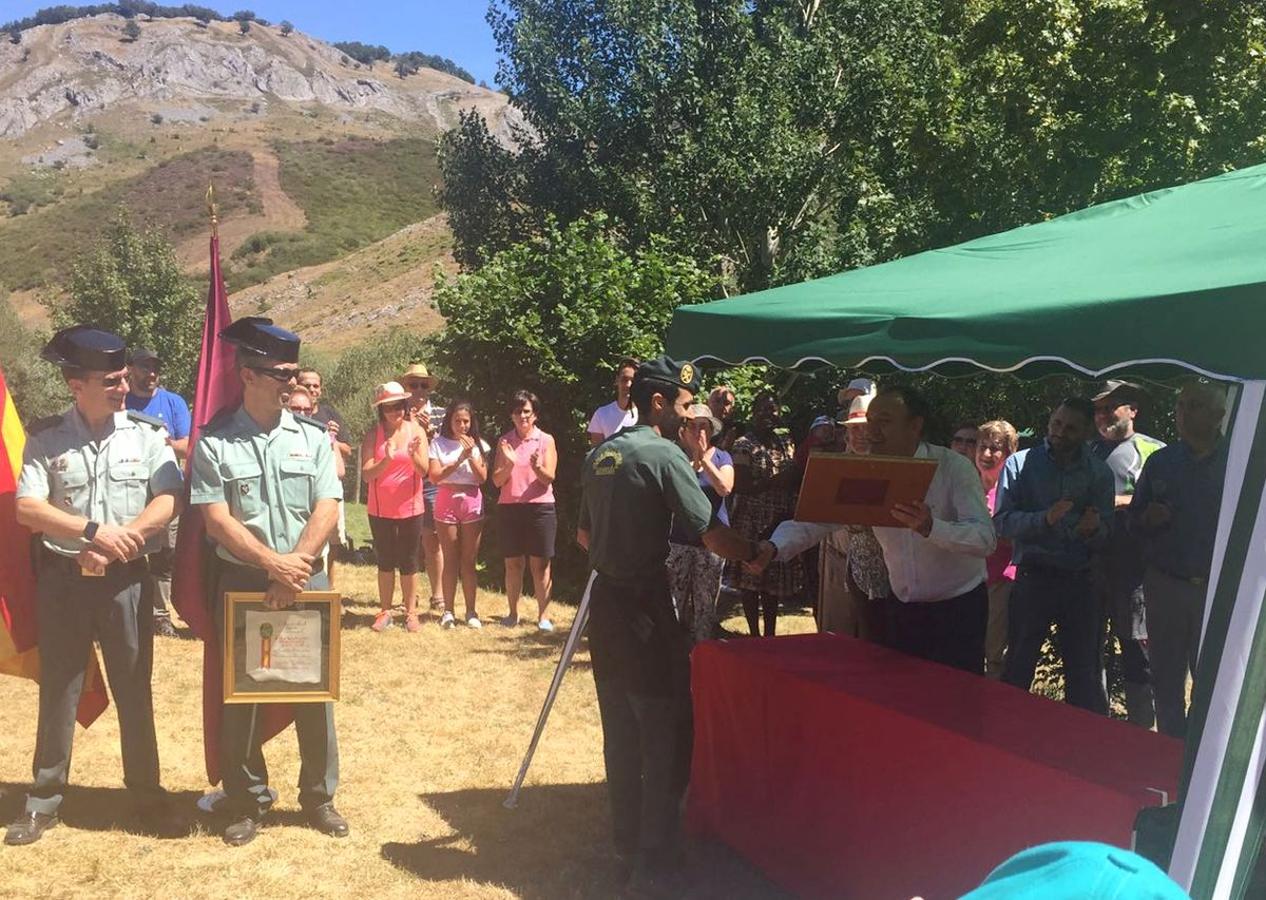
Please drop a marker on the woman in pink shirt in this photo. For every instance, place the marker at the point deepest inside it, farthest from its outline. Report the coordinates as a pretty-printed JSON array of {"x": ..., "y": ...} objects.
[
  {"x": 995, "y": 441},
  {"x": 395, "y": 462},
  {"x": 527, "y": 459}
]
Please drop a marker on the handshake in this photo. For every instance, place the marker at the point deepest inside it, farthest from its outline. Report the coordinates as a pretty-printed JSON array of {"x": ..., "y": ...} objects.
[{"x": 765, "y": 553}]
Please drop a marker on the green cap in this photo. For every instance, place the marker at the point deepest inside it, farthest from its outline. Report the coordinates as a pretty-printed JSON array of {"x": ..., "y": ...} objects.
[{"x": 668, "y": 371}]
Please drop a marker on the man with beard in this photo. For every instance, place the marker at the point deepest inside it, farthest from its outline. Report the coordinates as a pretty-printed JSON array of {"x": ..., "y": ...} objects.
[
  {"x": 635, "y": 484},
  {"x": 1054, "y": 505},
  {"x": 1118, "y": 570}
]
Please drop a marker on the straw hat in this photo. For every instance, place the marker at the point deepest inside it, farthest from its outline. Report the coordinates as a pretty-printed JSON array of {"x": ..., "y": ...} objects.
[
  {"x": 857, "y": 409},
  {"x": 418, "y": 370},
  {"x": 700, "y": 411},
  {"x": 391, "y": 392}
]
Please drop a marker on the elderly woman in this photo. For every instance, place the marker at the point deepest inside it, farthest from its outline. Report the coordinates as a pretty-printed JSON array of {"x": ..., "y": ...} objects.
[
  {"x": 523, "y": 471},
  {"x": 995, "y": 441},
  {"x": 394, "y": 462},
  {"x": 765, "y": 483},
  {"x": 694, "y": 571}
]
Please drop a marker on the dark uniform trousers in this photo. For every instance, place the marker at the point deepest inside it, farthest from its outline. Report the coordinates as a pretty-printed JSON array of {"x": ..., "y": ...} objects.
[
  {"x": 242, "y": 764},
  {"x": 73, "y": 610},
  {"x": 641, "y": 672}
]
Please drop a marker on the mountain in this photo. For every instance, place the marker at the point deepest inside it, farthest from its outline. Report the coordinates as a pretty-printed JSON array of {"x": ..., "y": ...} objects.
[{"x": 323, "y": 166}]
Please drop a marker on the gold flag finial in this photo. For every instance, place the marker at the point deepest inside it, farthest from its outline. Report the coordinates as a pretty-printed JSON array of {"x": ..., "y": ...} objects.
[{"x": 211, "y": 210}]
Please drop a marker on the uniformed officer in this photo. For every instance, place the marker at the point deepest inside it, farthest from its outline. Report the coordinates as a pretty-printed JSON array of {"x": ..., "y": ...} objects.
[
  {"x": 266, "y": 483},
  {"x": 634, "y": 483},
  {"x": 99, "y": 485}
]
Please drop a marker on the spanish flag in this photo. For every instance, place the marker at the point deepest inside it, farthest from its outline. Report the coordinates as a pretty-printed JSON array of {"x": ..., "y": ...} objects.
[{"x": 19, "y": 637}]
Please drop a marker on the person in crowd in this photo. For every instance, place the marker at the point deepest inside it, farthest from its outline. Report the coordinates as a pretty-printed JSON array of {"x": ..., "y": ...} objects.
[
  {"x": 963, "y": 440},
  {"x": 1175, "y": 509},
  {"x": 851, "y": 391},
  {"x": 394, "y": 460},
  {"x": 634, "y": 485},
  {"x": 524, "y": 471},
  {"x": 147, "y": 396},
  {"x": 868, "y": 587},
  {"x": 694, "y": 571},
  {"x": 619, "y": 413},
  {"x": 98, "y": 486},
  {"x": 1054, "y": 503},
  {"x": 765, "y": 484},
  {"x": 935, "y": 556},
  {"x": 299, "y": 402},
  {"x": 420, "y": 383},
  {"x": 459, "y": 467},
  {"x": 310, "y": 380},
  {"x": 265, "y": 483},
  {"x": 721, "y": 401},
  {"x": 996, "y": 442},
  {"x": 1118, "y": 568},
  {"x": 821, "y": 436}
]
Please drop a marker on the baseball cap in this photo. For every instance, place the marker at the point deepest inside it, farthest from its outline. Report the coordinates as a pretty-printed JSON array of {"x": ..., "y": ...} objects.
[{"x": 1081, "y": 869}]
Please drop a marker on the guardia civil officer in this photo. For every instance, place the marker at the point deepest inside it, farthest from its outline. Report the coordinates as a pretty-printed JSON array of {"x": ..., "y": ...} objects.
[
  {"x": 265, "y": 481},
  {"x": 635, "y": 482},
  {"x": 99, "y": 485}
]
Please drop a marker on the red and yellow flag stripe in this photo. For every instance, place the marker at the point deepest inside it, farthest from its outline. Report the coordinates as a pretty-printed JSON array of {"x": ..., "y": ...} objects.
[{"x": 18, "y": 655}]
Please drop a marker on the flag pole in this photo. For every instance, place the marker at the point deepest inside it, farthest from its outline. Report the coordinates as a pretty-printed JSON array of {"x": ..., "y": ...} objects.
[
  {"x": 212, "y": 211},
  {"x": 569, "y": 649}
]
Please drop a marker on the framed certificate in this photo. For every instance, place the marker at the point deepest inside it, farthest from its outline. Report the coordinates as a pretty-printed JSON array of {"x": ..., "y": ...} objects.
[
  {"x": 281, "y": 655},
  {"x": 847, "y": 489}
]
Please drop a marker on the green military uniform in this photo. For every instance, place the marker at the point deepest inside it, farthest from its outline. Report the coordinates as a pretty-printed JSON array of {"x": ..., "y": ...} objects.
[
  {"x": 271, "y": 481},
  {"x": 634, "y": 483},
  {"x": 107, "y": 479}
]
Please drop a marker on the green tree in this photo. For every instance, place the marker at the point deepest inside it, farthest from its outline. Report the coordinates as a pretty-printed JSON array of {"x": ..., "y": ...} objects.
[
  {"x": 130, "y": 283},
  {"x": 131, "y": 30},
  {"x": 37, "y": 388},
  {"x": 243, "y": 25},
  {"x": 286, "y": 27}
]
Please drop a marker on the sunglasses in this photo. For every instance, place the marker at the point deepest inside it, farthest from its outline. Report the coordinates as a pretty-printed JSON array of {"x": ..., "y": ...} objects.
[
  {"x": 113, "y": 380},
  {"x": 394, "y": 407},
  {"x": 273, "y": 373},
  {"x": 415, "y": 385}
]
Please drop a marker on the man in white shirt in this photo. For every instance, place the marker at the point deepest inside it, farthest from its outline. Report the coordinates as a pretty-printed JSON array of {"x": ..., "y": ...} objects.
[
  {"x": 936, "y": 561},
  {"x": 620, "y": 413}
]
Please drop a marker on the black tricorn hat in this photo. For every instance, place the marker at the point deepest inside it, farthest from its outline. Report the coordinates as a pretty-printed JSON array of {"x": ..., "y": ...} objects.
[
  {"x": 260, "y": 337},
  {"x": 83, "y": 347}
]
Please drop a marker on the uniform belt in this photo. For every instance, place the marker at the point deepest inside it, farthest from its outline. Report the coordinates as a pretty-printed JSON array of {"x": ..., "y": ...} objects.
[{"x": 69, "y": 565}]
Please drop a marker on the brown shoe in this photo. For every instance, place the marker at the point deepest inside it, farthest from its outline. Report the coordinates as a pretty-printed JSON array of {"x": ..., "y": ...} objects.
[
  {"x": 29, "y": 828},
  {"x": 325, "y": 819},
  {"x": 242, "y": 830}
]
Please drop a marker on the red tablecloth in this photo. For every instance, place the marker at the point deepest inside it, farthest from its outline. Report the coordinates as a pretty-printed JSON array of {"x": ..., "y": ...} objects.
[{"x": 842, "y": 769}]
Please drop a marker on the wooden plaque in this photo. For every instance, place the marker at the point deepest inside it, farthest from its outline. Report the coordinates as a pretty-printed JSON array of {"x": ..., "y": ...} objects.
[
  {"x": 286, "y": 655},
  {"x": 848, "y": 489}
]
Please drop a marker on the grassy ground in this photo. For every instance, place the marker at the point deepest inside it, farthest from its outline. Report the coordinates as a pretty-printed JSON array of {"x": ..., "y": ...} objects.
[{"x": 431, "y": 727}]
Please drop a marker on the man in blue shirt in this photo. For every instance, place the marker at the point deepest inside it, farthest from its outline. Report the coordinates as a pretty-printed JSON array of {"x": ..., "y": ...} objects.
[
  {"x": 1054, "y": 504},
  {"x": 1175, "y": 510},
  {"x": 146, "y": 397}
]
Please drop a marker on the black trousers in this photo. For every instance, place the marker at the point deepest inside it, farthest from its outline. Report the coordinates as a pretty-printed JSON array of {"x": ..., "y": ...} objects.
[
  {"x": 1066, "y": 599},
  {"x": 641, "y": 672},
  {"x": 951, "y": 632}
]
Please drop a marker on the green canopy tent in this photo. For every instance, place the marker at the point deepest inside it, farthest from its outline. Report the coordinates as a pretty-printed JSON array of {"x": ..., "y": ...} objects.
[{"x": 1152, "y": 285}]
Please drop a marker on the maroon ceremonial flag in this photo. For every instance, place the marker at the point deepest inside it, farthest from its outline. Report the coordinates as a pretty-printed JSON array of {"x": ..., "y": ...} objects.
[{"x": 217, "y": 388}]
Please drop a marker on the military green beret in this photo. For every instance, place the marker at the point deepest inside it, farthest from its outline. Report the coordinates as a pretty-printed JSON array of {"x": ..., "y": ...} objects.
[{"x": 664, "y": 370}]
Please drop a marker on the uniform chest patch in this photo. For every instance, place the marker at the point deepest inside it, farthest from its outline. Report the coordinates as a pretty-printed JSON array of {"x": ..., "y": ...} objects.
[
  {"x": 244, "y": 489},
  {"x": 607, "y": 461}
]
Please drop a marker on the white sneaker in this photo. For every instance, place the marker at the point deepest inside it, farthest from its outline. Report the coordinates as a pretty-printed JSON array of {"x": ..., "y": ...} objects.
[
  {"x": 447, "y": 620},
  {"x": 473, "y": 622},
  {"x": 545, "y": 625}
]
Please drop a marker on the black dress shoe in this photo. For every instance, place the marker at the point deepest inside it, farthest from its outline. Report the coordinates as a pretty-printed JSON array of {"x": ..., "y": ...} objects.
[
  {"x": 29, "y": 828},
  {"x": 242, "y": 830},
  {"x": 325, "y": 819}
]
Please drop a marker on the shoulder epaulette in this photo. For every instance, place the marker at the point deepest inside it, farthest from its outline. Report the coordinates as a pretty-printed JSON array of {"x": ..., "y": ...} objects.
[
  {"x": 220, "y": 418},
  {"x": 308, "y": 420},
  {"x": 152, "y": 421},
  {"x": 43, "y": 424}
]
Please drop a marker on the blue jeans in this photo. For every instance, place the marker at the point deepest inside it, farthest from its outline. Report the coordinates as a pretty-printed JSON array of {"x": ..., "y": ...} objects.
[{"x": 1043, "y": 597}]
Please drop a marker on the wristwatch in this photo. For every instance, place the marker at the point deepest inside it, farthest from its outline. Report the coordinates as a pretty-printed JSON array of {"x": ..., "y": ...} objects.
[{"x": 90, "y": 530}]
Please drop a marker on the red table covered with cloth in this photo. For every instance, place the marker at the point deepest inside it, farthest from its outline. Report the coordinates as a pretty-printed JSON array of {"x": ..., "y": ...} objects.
[{"x": 843, "y": 769}]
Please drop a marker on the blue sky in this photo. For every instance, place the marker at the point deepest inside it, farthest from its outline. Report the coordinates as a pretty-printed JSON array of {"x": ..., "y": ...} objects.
[{"x": 452, "y": 28}]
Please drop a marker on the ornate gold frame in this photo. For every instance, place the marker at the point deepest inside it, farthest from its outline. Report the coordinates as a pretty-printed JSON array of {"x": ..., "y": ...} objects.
[{"x": 329, "y": 603}]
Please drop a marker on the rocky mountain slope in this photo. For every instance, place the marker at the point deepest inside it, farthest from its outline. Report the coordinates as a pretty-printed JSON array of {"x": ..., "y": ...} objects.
[{"x": 325, "y": 167}]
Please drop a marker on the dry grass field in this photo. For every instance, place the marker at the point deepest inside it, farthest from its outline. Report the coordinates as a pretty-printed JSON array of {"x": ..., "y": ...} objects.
[{"x": 432, "y": 727}]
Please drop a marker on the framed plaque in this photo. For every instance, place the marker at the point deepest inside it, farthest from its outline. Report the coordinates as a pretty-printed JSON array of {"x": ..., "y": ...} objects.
[
  {"x": 286, "y": 655},
  {"x": 848, "y": 489}
]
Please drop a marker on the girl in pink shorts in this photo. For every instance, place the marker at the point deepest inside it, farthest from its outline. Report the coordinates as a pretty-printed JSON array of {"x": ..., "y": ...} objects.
[{"x": 458, "y": 469}]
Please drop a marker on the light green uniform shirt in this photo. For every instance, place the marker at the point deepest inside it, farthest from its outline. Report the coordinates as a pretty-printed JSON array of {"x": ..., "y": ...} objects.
[
  {"x": 271, "y": 480},
  {"x": 110, "y": 479}
]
